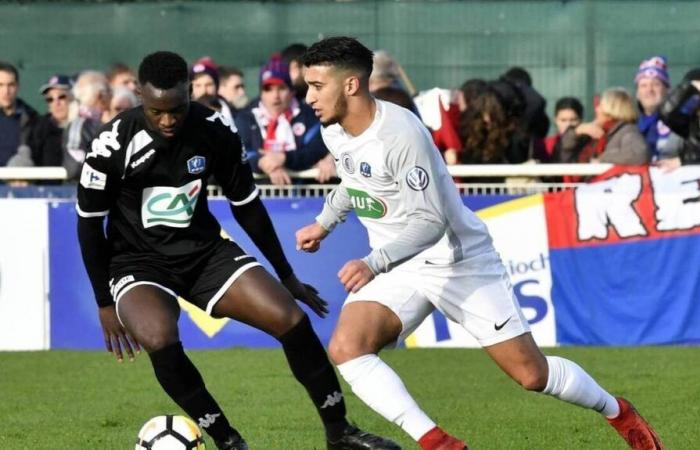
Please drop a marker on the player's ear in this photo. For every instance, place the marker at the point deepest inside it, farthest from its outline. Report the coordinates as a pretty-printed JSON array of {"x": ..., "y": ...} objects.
[{"x": 352, "y": 85}]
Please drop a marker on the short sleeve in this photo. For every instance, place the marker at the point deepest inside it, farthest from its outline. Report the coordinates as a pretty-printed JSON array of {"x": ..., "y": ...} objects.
[{"x": 100, "y": 176}]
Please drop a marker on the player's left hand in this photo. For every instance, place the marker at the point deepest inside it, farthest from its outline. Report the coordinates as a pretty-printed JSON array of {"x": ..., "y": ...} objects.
[
  {"x": 307, "y": 294},
  {"x": 355, "y": 274}
]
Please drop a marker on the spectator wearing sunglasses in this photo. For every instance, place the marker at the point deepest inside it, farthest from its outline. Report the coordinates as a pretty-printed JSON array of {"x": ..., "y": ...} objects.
[{"x": 46, "y": 139}]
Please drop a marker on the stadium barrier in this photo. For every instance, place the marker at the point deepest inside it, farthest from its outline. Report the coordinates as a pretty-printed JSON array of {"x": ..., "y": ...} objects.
[{"x": 613, "y": 262}]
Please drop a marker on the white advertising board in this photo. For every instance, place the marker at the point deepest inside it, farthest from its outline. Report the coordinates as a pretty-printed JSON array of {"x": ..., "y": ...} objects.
[{"x": 24, "y": 277}]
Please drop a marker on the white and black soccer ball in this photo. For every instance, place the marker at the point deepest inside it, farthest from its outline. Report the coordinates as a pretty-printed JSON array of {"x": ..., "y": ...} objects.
[{"x": 170, "y": 433}]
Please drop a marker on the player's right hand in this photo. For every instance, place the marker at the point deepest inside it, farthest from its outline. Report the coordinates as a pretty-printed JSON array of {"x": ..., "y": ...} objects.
[
  {"x": 309, "y": 238},
  {"x": 116, "y": 337}
]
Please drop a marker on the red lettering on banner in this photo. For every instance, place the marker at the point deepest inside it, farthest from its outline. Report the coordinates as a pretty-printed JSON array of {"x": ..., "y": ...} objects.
[{"x": 625, "y": 204}]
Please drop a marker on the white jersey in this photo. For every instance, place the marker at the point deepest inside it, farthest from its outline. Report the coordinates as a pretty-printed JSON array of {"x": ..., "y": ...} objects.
[{"x": 394, "y": 178}]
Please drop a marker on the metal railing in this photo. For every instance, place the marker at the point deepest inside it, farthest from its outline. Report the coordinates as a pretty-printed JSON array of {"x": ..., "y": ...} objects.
[{"x": 520, "y": 179}]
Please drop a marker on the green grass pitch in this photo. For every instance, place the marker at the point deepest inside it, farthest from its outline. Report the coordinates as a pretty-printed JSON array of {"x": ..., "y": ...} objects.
[{"x": 86, "y": 400}]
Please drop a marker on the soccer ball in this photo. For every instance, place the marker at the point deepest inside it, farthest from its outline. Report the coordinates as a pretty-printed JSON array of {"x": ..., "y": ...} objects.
[{"x": 170, "y": 433}]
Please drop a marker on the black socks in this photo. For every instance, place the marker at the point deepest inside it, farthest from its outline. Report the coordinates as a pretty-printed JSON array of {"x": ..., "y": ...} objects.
[
  {"x": 183, "y": 383},
  {"x": 310, "y": 365}
]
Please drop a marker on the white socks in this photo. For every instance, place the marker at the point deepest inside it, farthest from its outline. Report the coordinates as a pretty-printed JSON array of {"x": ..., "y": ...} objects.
[
  {"x": 569, "y": 382},
  {"x": 381, "y": 389}
]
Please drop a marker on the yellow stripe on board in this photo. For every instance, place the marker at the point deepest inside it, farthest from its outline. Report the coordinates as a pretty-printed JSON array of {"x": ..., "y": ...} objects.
[
  {"x": 510, "y": 206},
  {"x": 411, "y": 341}
]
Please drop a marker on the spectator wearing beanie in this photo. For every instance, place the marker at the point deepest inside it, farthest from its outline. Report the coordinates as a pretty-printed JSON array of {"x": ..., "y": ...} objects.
[
  {"x": 652, "y": 83},
  {"x": 278, "y": 132},
  {"x": 204, "y": 76}
]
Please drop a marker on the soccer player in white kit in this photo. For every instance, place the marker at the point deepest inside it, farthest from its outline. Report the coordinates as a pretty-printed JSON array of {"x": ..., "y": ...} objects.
[{"x": 428, "y": 252}]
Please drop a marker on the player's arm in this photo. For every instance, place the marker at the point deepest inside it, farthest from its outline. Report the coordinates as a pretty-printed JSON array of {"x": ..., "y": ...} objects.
[
  {"x": 335, "y": 210},
  {"x": 96, "y": 193},
  {"x": 236, "y": 179},
  {"x": 414, "y": 168}
]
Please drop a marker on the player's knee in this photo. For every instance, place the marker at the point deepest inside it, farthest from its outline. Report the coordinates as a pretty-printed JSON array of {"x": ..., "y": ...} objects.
[
  {"x": 344, "y": 347},
  {"x": 533, "y": 379},
  {"x": 154, "y": 341}
]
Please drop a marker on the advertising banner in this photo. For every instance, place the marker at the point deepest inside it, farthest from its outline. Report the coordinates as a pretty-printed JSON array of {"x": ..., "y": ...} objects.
[{"x": 23, "y": 275}]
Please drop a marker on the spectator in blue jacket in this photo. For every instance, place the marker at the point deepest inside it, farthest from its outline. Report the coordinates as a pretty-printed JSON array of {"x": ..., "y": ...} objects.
[{"x": 278, "y": 132}]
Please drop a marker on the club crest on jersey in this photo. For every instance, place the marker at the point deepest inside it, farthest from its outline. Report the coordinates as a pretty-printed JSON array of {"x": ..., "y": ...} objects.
[
  {"x": 365, "y": 169},
  {"x": 169, "y": 206},
  {"x": 348, "y": 163},
  {"x": 196, "y": 164},
  {"x": 365, "y": 205},
  {"x": 417, "y": 179}
]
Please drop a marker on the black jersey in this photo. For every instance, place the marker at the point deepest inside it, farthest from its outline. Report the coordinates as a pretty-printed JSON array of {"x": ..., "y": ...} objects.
[{"x": 154, "y": 190}]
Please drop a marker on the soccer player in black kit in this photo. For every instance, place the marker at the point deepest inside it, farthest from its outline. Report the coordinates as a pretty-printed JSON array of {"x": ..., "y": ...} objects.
[{"x": 147, "y": 172}]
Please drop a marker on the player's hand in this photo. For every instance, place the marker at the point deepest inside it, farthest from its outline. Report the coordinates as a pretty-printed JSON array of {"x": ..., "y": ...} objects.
[
  {"x": 326, "y": 169},
  {"x": 279, "y": 177},
  {"x": 355, "y": 274},
  {"x": 272, "y": 161},
  {"x": 309, "y": 238},
  {"x": 116, "y": 337},
  {"x": 307, "y": 294}
]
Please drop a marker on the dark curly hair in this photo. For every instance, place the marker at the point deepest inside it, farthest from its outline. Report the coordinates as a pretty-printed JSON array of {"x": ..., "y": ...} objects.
[
  {"x": 486, "y": 130},
  {"x": 342, "y": 52},
  {"x": 164, "y": 70}
]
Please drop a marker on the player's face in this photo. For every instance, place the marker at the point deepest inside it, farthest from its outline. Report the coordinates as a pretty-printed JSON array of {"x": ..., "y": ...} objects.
[
  {"x": 165, "y": 109},
  {"x": 325, "y": 94}
]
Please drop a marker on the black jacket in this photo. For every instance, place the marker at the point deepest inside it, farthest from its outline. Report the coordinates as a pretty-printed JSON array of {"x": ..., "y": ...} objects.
[
  {"x": 673, "y": 112},
  {"x": 46, "y": 142}
]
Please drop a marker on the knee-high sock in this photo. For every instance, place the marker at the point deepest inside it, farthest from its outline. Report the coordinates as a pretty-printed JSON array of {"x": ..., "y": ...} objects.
[
  {"x": 569, "y": 382},
  {"x": 310, "y": 365},
  {"x": 376, "y": 384},
  {"x": 183, "y": 383}
]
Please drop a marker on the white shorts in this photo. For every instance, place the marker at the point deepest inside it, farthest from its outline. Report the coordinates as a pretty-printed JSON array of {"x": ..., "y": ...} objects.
[{"x": 475, "y": 293}]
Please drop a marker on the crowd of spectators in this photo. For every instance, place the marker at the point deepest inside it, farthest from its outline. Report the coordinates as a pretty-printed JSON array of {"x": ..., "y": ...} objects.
[{"x": 501, "y": 121}]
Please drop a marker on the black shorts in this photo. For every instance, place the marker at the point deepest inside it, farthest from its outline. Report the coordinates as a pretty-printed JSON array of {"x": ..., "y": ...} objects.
[{"x": 201, "y": 280}]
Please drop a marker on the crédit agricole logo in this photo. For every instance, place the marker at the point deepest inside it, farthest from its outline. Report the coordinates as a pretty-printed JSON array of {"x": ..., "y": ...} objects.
[{"x": 170, "y": 206}]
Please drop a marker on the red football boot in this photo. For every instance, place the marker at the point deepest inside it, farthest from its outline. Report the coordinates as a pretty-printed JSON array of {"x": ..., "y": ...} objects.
[
  {"x": 437, "y": 439},
  {"x": 634, "y": 429}
]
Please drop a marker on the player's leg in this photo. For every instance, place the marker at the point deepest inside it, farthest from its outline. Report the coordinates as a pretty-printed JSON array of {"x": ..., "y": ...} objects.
[
  {"x": 259, "y": 300},
  {"x": 363, "y": 329},
  {"x": 478, "y": 295},
  {"x": 523, "y": 361},
  {"x": 150, "y": 314}
]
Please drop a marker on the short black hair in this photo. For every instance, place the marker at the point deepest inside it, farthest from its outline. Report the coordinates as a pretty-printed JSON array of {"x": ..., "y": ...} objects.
[
  {"x": 7, "y": 67},
  {"x": 569, "y": 103},
  {"x": 518, "y": 75},
  {"x": 342, "y": 52},
  {"x": 293, "y": 52},
  {"x": 164, "y": 70}
]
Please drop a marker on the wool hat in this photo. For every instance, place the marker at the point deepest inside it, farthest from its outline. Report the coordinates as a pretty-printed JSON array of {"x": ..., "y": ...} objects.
[
  {"x": 654, "y": 67},
  {"x": 275, "y": 71}
]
